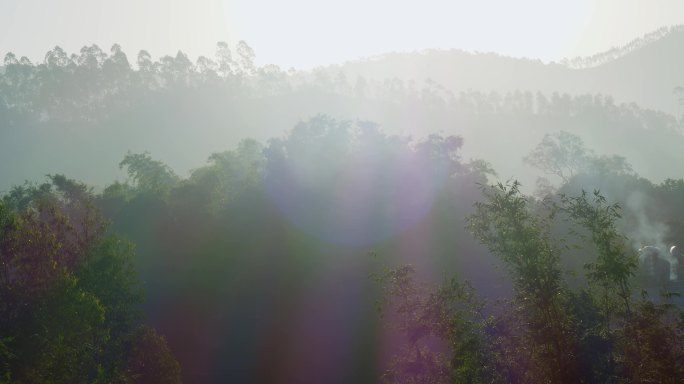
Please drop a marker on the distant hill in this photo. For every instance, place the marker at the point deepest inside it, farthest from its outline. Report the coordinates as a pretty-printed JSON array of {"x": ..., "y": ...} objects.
[
  {"x": 620, "y": 51},
  {"x": 644, "y": 71}
]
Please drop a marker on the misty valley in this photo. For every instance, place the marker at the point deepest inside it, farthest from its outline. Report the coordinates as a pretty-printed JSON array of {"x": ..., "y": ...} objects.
[{"x": 438, "y": 216}]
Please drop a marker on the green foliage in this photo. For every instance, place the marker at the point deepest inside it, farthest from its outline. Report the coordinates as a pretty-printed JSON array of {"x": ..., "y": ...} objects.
[
  {"x": 272, "y": 218},
  {"x": 148, "y": 175},
  {"x": 68, "y": 291},
  {"x": 228, "y": 175},
  {"x": 614, "y": 265},
  {"x": 646, "y": 345},
  {"x": 231, "y": 222},
  {"x": 507, "y": 226},
  {"x": 150, "y": 360},
  {"x": 61, "y": 339},
  {"x": 451, "y": 313},
  {"x": 109, "y": 275},
  {"x": 598, "y": 333}
]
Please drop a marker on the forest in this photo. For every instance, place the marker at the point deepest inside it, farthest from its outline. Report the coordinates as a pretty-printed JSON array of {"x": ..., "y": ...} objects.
[{"x": 208, "y": 221}]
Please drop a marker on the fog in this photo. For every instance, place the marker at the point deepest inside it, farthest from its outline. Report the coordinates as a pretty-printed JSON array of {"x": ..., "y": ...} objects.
[{"x": 238, "y": 191}]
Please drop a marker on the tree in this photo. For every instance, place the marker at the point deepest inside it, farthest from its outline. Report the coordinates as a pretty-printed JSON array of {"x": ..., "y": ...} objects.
[
  {"x": 245, "y": 58},
  {"x": 225, "y": 60},
  {"x": 521, "y": 239},
  {"x": 68, "y": 291},
  {"x": 150, "y": 360},
  {"x": 56, "y": 58},
  {"x": 562, "y": 154},
  {"x": 451, "y": 313},
  {"x": 228, "y": 175},
  {"x": 116, "y": 67},
  {"x": 597, "y": 333},
  {"x": 639, "y": 331},
  {"x": 207, "y": 69},
  {"x": 148, "y": 175}
]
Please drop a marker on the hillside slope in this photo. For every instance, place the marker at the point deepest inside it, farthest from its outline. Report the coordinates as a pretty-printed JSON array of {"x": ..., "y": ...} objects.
[{"x": 645, "y": 73}]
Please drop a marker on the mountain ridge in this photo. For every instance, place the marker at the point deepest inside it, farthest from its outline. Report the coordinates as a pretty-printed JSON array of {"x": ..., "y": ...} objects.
[{"x": 621, "y": 77}]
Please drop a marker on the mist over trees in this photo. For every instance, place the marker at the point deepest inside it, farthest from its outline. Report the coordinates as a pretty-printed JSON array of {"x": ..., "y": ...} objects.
[
  {"x": 70, "y": 104},
  {"x": 366, "y": 222}
]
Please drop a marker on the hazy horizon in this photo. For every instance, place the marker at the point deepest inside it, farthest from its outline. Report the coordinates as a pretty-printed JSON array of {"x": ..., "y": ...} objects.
[{"x": 281, "y": 33}]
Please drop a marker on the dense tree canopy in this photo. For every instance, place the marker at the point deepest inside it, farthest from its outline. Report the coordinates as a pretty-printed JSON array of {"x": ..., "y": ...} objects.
[
  {"x": 255, "y": 264},
  {"x": 69, "y": 294}
]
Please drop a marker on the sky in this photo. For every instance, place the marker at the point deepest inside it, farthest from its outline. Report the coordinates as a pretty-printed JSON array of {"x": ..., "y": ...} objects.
[{"x": 308, "y": 33}]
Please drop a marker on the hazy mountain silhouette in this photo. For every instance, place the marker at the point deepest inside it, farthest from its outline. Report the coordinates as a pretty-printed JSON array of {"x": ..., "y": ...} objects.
[{"x": 644, "y": 71}]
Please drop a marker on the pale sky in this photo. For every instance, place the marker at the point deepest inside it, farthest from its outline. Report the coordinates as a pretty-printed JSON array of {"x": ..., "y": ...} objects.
[{"x": 307, "y": 33}]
